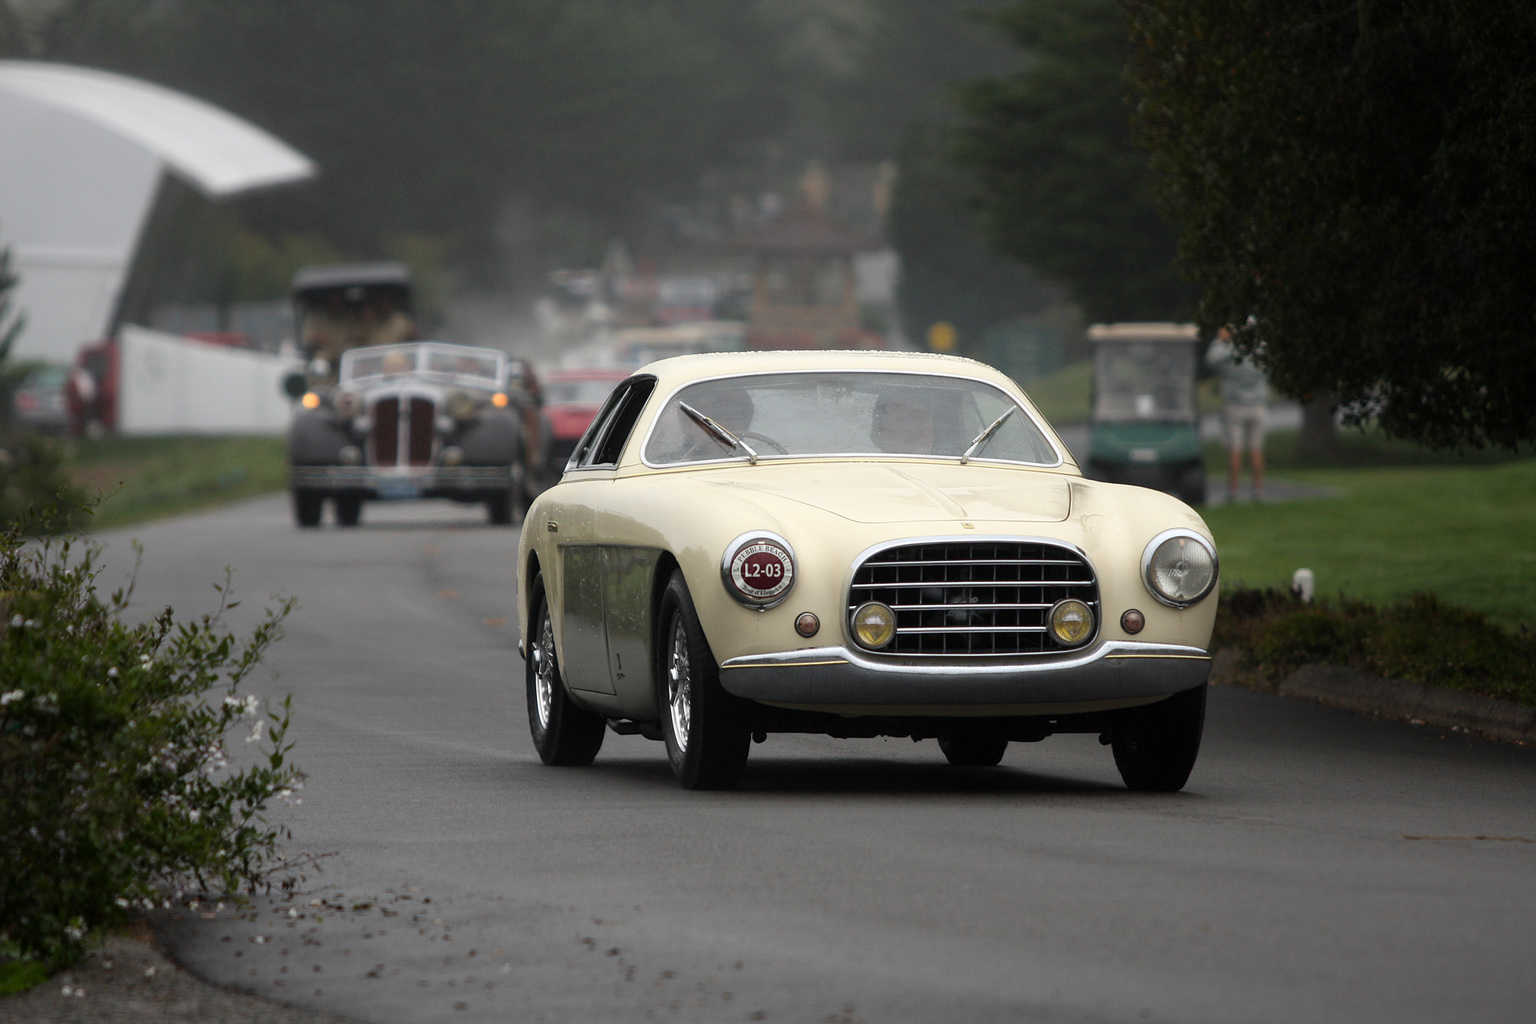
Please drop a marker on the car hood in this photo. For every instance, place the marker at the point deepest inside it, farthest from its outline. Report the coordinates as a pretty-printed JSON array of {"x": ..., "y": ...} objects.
[{"x": 880, "y": 492}]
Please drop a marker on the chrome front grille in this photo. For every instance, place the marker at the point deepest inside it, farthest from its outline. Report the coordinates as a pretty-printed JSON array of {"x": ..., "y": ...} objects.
[
  {"x": 973, "y": 598},
  {"x": 403, "y": 438}
]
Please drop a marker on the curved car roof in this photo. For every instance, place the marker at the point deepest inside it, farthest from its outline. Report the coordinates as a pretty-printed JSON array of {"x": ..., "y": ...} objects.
[{"x": 678, "y": 370}]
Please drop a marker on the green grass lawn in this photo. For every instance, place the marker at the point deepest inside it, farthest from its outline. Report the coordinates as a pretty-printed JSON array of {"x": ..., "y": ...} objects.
[
  {"x": 141, "y": 478},
  {"x": 1464, "y": 532},
  {"x": 1062, "y": 398},
  {"x": 1404, "y": 520}
]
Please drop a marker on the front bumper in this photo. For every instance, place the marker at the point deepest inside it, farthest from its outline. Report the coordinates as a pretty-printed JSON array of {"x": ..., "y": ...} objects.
[
  {"x": 1113, "y": 673},
  {"x": 413, "y": 482}
]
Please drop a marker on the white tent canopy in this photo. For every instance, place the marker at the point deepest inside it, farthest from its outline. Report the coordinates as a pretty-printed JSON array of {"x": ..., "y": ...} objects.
[{"x": 81, "y": 156}]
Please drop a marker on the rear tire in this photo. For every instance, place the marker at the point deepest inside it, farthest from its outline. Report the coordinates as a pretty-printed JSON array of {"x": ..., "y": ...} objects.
[
  {"x": 307, "y": 506},
  {"x": 706, "y": 729},
  {"x": 1156, "y": 745},
  {"x": 563, "y": 733}
]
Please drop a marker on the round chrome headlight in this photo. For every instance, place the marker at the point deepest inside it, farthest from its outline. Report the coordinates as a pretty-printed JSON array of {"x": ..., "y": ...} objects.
[
  {"x": 347, "y": 403},
  {"x": 758, "y": 569},
  {"x": 460, "y": 405},
  {"x": 1179, "y": 567},
  {"x": 1071, "y": 622},
  {"x": 873, "y": 625}
]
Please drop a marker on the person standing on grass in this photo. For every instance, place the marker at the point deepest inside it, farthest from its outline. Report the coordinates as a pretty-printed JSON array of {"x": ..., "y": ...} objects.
[{"x": 1244, "y": 403}]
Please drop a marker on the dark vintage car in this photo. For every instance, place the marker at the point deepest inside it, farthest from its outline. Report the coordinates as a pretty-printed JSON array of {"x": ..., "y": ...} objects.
[{"x": 415, "y": 420}]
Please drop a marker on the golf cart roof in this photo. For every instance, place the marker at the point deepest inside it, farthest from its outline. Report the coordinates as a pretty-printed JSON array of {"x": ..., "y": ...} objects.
[{"x": 1143, "y": 332}]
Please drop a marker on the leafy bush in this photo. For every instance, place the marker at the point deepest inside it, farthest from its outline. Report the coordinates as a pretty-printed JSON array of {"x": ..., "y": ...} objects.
[
  {"x": 118, "y": 789},
  {"x": 34, "y": 488},
  {"x": 1422, "y": 639}
]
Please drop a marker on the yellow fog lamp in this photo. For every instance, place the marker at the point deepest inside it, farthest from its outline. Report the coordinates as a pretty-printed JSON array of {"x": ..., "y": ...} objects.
[
  {"x": 874, "y": 625},
  {"x": 1071, "y": 622}
]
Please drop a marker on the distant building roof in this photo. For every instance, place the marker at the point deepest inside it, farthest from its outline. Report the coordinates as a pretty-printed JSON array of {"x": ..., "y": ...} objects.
[
  {"x": 82, "y": 156},
  {"x": 213, "y": 149}
]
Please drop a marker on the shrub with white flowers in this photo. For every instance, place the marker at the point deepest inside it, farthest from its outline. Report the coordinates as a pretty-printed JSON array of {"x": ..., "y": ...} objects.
[{"x": 117, "y": 788}]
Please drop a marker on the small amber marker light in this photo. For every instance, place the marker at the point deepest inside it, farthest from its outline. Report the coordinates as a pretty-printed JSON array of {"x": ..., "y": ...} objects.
[
  {"x": 499, "y": 400},
  {"x": 310, "y": 400},
  {"x": 806, "y": 624},
  {"x": 1133, "y": 621}
]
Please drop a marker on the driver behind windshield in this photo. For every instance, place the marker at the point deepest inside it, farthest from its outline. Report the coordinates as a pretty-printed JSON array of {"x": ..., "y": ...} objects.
[{"x": 903, "y": 423}]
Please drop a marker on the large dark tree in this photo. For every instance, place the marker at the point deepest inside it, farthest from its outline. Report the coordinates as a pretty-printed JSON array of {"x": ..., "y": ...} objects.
[
  {"x": 948, "y": 272},
  {"x": 1063, "y": 185},
  {"x": 1358, "y": 175}
]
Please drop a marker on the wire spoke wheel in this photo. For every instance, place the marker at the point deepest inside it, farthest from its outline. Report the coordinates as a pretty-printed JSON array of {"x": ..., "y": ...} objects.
[
  {"x": 679, "y": 686},
  {"x": 706, "y": 730},
  {"x": 544, "y": 670},
  {"x": 563, "y": 732}
]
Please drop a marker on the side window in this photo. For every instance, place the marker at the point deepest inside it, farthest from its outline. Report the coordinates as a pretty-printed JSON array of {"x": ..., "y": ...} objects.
[{"x": 610, "y": 429}]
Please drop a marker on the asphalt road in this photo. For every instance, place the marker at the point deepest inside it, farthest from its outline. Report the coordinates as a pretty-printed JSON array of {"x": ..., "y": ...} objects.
[{"x": 1319, "y": 866}]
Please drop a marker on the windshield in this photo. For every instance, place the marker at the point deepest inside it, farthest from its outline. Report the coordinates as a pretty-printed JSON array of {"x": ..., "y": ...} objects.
[
  {"x": 845, "y": 413},
  {"x": 449, "y": 363},
  {"x": 1144, "y": 380}
]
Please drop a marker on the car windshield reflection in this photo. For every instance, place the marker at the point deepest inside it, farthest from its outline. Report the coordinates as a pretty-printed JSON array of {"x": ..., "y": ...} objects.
[{"x": 802, "y": 415}]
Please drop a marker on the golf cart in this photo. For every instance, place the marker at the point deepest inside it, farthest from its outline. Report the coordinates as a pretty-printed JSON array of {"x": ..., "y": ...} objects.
[{"x": 1144, "y": 427}]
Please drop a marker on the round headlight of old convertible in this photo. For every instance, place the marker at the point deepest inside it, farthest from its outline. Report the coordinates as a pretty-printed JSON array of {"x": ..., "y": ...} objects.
[
  {"x": 1071, "y": 622},
  {"x": 1179, "y": 567},
  {"x": 758, "y": 569},
  {"x": 460, "y": 406},
  {"x": 873, "y": 625}
]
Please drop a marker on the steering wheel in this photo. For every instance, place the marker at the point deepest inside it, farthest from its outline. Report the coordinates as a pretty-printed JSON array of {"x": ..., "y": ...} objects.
[{"x": 752, "y": 435}]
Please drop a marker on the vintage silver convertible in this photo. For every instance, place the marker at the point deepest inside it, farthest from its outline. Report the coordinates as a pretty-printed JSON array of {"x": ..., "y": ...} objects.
[
  {"x": 414, "y": 420},
  {"x": 855, "y": 544}
]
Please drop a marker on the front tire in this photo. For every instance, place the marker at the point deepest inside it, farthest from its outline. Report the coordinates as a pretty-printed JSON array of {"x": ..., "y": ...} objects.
[
  {"x": 498, "y": 508},
  {"x": 563, "y": 733},
  {"x": 349, "y": 509},
  {"x": 1156, "y": 745},
  {"x": 974, "y": 747},
  {"x": 307, "y": 507},
  {"x": 706, "y": 729}
]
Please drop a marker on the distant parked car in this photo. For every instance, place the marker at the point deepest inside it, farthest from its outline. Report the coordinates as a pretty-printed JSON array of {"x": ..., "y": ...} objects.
[
  {"x": 39, "y": 402},
  {"x": 416, "y": 420},
  {"x": 855, "y": 544},
  {"x": 571, "y": 399}
]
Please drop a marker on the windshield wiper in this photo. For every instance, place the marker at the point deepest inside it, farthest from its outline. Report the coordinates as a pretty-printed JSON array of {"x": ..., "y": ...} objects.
[
  {"x": 986, "y": 435},
  {"x": 719, "y": 433}
]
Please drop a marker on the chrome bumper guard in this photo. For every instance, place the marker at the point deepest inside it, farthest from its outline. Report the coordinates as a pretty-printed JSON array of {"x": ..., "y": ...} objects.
[
  {"x": 1114, "y": 670},
  {"x": 415, "y": 482}
]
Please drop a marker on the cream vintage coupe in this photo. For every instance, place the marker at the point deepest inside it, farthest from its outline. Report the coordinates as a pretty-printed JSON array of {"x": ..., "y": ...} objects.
[{"x": 855, "y": 544}]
